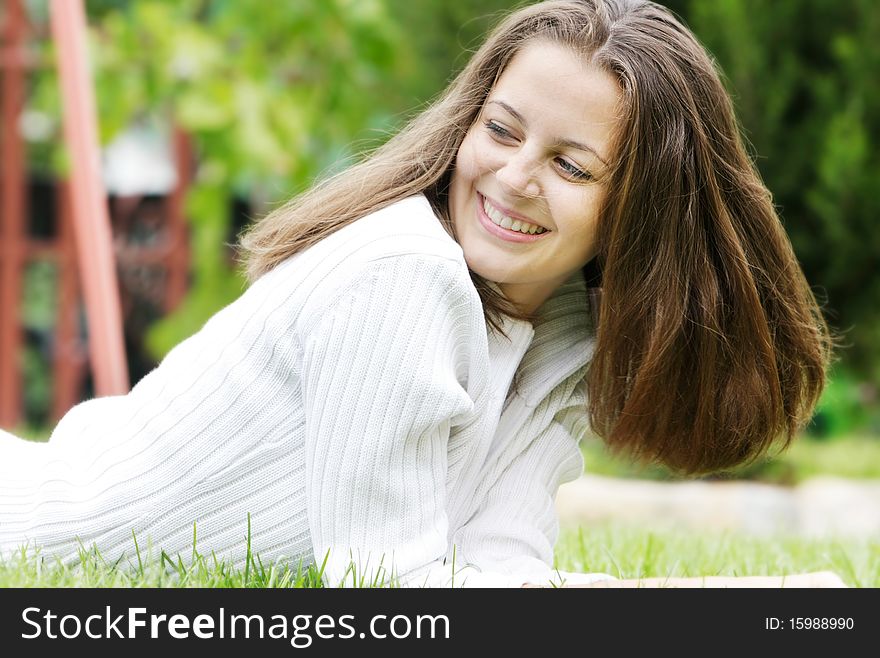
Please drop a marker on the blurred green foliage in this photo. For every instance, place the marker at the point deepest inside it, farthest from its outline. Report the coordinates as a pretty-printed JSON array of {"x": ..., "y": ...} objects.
[
  {"x": 277, "y": 93},
  {"x": 38, "y": 317},
  {"x": 848, "y": 405},
  {"x": 272, "y": 93}
]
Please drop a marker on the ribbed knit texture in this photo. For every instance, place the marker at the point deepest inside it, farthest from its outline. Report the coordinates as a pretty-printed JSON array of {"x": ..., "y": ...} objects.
[{"x": 352, "y": 402}]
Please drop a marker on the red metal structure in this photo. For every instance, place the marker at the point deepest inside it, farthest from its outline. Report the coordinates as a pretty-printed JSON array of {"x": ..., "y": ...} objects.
[
  {"x": 83, "y": 247},
  {"x": 12, "y": 207},
  {"x": 91, "y": 221}
]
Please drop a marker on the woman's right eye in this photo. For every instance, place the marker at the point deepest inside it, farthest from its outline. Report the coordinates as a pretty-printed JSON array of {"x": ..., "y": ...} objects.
[{"x": 497, "y": 130}]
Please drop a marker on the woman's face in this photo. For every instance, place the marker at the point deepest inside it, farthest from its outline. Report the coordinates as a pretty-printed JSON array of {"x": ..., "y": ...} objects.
[{"x": 531, "y": 172}]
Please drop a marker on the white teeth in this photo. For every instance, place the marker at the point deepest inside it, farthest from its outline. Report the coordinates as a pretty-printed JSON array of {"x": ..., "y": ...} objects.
[{"x": 504, "y": 221}]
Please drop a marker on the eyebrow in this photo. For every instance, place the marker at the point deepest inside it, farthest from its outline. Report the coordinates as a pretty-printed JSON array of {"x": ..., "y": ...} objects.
[{"x": 560, "y": 142}]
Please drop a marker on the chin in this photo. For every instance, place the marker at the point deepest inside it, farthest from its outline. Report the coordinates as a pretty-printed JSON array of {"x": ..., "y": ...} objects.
[{"x": 488, "y": 271}]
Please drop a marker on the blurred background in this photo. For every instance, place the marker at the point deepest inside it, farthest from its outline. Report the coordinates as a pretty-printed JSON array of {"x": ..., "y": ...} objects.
[{"x": 212, "y": 111}]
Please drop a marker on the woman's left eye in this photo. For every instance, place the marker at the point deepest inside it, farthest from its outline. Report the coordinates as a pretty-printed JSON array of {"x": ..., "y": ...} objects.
[{"x": 573, "y": 171}]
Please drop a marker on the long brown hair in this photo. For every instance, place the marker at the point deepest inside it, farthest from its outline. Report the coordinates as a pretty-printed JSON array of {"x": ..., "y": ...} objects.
[{"x": 710, "y": 344}]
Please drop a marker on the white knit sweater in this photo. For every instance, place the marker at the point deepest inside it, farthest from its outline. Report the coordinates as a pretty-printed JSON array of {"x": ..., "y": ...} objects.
[{"x": 351, "y": 401}]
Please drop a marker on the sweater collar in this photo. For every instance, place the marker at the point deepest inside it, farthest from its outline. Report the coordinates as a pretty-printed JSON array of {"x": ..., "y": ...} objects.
[{"x": 562, "y": 339}]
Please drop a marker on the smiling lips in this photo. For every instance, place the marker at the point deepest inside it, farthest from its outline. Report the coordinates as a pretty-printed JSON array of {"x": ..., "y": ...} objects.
[{"x": 508, "y": 228}]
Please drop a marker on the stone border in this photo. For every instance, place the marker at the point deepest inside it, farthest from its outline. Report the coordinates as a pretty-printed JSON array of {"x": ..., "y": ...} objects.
[{"x": 819, "y": 507}]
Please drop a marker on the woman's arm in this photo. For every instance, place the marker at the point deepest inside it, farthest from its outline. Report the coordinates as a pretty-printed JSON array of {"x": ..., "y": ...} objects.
[
  {"x": 514, "y": 527},
  {"x": 384, "y": 372}
]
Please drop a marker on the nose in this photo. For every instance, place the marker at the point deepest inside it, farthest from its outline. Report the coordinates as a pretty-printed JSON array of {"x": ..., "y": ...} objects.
[{"x": 518, "y": 174}]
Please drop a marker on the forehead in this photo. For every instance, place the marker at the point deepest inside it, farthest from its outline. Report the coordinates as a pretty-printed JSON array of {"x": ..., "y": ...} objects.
[{"x": 556, "y": 89}]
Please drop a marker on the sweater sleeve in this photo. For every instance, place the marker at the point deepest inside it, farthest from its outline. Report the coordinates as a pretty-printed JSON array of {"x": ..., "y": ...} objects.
[
  {"x": 515, "y": 527},
  {"x": 384, "y": 378}
]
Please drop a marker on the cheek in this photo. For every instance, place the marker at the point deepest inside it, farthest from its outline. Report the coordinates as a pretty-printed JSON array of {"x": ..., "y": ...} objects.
[
  {"x": 578, "y": 217},
  {"x": 466, "y": 164},
  {"x": 472, "y": 161},
  {"x": 463, "y": 178}
]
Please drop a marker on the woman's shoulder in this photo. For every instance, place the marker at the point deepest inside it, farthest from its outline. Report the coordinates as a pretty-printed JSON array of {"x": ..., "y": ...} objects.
[
  {"x": 403, "y": 239},
  {"x": 406, "y": 227}
]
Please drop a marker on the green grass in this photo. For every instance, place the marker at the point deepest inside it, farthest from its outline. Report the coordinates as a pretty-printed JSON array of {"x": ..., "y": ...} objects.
[
  {"x": 93, "y": 570},
  {"x": 853, "y": 456},
  {"x": 636, "y": 552},
  {"x": 143, "y": 568},
  {"x": 619, "y": 550}
]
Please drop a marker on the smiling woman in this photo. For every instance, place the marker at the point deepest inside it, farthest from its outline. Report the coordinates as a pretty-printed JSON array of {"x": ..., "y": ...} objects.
[
  {"x": 401, "y": 391},
  {"x": 529, "y": 179}
]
